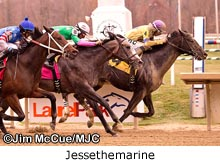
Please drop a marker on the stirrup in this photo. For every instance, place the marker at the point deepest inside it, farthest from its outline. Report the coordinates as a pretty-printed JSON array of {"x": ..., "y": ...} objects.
[{"x": 48, "y": 65}]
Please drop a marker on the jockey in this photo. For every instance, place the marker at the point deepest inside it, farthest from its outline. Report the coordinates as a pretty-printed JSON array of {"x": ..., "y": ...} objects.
[
  {"x": 11, "y": 38},
  {"x": 145, "y": 34},
  {"x": 73, "y": 33},
  {"x": 76, "y": 34}
]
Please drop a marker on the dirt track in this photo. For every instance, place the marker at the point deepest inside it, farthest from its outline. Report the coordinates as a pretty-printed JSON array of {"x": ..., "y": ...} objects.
[{"x": 151, "y": 135}]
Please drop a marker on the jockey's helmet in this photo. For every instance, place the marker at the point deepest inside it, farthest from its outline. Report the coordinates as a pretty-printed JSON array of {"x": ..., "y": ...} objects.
[
  {"x": 159, "y": 25},
  {"x": 27, "y": 25},
  {"x": 83, "y": 27}
]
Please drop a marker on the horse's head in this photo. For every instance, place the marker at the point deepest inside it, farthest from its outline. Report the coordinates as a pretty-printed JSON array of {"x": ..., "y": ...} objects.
[
  {"x": 55, "y": 42},
  {"x": 122, "y": 50},
  {"x": 184, "y": 42}
]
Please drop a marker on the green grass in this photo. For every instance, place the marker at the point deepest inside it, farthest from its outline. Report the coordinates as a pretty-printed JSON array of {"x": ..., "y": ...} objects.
[{"x": 172, "y": 102}]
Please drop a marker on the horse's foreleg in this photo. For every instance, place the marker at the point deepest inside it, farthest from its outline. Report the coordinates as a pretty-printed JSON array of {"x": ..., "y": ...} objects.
[
  {"x": 88, "y": 110},
  {"x": 97, "y": 111},
  {"x": 66, "y": 108},
  {"x": 39, "y": 93},
  {"x": 148, "y": 102},
  {"x": 118, "y": 125},
  {"x": 89, "y": 113},
  {"x": 136, "y": 98},
  {"x": 89, "y": 93},
  {"x": 2, "y": 126}
]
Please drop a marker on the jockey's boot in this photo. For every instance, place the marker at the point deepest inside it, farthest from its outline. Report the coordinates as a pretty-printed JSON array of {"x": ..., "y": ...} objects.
[
  {"x": 3, "y": 55},
  {"x": 50, "y": 60},
  {"x": 48, "y": 63}
]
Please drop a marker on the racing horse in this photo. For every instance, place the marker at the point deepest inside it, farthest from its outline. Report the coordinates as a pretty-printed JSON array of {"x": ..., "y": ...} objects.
[
  {"x": 156, "y": 63},
  {"x": 22, "y": 74},
  {"x": 80, "y": 75}
]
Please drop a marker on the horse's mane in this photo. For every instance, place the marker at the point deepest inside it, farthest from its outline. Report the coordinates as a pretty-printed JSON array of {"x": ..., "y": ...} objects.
[
  {"x": 106, "y": 40},
  {"x": 170, "y": 36},
  {"x": 112, "y": 36},
  {"x": 37, "y": 33}
]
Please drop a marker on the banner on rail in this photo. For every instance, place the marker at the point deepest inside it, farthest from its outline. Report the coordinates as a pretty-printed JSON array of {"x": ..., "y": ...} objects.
[{"x": 40, "y": 109}]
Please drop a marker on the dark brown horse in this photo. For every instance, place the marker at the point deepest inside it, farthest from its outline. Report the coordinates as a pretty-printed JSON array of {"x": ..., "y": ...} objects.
[
  {"x": 82, "y": 74},
  {"x": 23, "y": 73},
  {"x": 149, "y": 78}
]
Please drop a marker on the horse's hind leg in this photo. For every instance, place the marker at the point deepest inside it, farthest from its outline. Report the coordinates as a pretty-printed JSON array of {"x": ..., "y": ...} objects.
[{"x": 148, "y": 102}]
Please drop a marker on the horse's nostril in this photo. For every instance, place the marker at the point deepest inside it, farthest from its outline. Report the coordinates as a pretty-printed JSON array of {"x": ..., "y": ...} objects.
[{"x": 140, "y": 62}]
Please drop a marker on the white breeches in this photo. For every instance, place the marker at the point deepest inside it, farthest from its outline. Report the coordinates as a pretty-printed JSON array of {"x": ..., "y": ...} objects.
[{"x": 4, "y": 45}]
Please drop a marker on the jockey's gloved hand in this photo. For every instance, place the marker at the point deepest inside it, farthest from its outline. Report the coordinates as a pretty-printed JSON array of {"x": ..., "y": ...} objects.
[
  {"x": 28, "y": 39},
  {"x": 24, "y": 45},
  {"x": 13, "y": 51},
  {"x": 99, "y": 42}
]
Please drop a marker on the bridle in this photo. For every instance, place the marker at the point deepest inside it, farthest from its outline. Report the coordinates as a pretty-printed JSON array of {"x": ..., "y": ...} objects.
[
  {"x": 183, "y": 39},
  {"x": 60, "y": 50}
]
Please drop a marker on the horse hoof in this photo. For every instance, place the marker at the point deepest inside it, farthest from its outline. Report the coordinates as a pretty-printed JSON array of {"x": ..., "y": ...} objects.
[
  {"x": 118, "y": 127},
  {"x": 115, "y": 135},
  {"x": 52, "y": 126},
  {"x": 4, "y": 131},
  {"x": 89, "y": 124},
  {"x": 62, "y": 119}
]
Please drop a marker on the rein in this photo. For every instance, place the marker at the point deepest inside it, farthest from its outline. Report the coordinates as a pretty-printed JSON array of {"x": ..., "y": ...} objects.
[
  {"x": 179, "y": 48},
  {"x": 108, "y": 50}
]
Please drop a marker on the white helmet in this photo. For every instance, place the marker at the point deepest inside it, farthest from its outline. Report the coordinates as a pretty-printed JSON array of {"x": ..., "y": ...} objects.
[{"x": 83, "y": 27}]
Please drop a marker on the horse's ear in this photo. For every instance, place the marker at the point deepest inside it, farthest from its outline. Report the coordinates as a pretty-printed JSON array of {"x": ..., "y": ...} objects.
[
  {"x": 49, "y": 30},
  {"x": 111, "y": 35},
  {"x": 21, "y": 28},
  {"x": 180, "y": 31}
]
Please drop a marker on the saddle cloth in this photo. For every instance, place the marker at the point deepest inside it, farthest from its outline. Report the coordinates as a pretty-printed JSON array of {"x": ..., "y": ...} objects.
[
  {"x": 46, "y": 73},
  {"x": 121, "y": 65}
]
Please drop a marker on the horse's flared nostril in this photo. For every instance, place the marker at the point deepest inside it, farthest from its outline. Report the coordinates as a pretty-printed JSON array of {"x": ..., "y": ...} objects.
[{"x": 140, "y": 62}]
